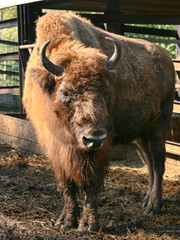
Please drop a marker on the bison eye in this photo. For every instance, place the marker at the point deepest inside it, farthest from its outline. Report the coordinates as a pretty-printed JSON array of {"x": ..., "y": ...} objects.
[{"x": 64, "y": 96}]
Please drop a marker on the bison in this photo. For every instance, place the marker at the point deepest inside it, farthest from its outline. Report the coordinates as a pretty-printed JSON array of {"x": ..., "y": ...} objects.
[{"x": 87, "y": 90}]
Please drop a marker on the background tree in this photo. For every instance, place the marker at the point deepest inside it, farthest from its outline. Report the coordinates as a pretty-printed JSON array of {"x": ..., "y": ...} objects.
[
  {"x": 170, "y": 48},
  {"x": 8, "y": 34}
]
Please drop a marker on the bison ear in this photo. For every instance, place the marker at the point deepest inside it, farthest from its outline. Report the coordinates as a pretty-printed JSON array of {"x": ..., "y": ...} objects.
[
  {"x": 111, "y": 75},
  {"x": 44, "y": 79}
]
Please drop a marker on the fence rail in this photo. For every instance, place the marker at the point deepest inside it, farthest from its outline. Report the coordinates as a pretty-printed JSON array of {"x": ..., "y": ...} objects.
[
  {"x": 9, "y": 56},
  {"x": 9, "y": 90},
  {"x": 8, "y": 42},
  {"x": 9, "y": 73},
  {"x": 8, "y": 23}
]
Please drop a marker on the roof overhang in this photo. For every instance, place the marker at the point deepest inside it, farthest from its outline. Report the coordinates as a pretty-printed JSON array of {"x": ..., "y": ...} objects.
[
  {"x": 113, "y": 11},
  {"x": 10, "y": 3}
]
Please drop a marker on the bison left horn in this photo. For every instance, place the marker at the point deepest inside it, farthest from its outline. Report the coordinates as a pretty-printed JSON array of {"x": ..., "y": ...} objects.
[
  {"x": 116, "y": 55},
  {"x": 51, "y": 67}
]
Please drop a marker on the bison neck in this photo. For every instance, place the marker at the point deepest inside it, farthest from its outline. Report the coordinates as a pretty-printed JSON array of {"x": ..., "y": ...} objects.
[{"x": 82, "y": 168}]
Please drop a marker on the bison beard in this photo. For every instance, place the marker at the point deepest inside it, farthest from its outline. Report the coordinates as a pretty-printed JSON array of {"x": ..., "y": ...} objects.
[
  {"x": 80, "y": 108},
  {"x": 82, "y": 168}
]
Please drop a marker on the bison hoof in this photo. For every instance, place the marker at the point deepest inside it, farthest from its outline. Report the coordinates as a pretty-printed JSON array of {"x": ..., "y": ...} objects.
[
  {"x": 66, "y": 224},
  {"x": 81, "y": 228},
  {"x": 152, "y": 208},
  {"x": 67, "y": 220},
  {"x": 152, "y": 205},
  {"x": 93, "y": 227},
  {"x": 151, "y": 211}
]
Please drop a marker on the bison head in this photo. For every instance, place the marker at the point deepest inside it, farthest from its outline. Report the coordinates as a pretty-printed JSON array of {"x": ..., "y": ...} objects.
[{"x": 78, "y": 92}]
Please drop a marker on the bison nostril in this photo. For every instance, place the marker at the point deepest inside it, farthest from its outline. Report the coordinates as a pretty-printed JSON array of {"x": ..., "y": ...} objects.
[
  {"x": 94, "y": 142},
  {"x": 88, "y": 142}
]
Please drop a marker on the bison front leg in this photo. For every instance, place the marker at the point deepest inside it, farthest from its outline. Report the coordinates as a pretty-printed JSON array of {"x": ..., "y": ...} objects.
[
  {"x": 89, "y": 214},
  {"x": 70, "y": 212}
]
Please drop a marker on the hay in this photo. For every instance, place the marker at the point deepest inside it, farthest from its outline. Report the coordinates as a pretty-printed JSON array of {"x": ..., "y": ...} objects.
[{"x": 30, "y": 203}]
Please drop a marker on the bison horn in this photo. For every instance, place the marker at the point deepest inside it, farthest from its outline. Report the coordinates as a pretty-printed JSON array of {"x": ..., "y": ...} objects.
[
  {"x": 51, "y": 67},
  {"x": 116, "y": 55}
]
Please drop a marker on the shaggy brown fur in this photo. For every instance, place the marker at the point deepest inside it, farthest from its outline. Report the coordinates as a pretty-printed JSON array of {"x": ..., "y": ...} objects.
[{"x": 134, "y": 101}]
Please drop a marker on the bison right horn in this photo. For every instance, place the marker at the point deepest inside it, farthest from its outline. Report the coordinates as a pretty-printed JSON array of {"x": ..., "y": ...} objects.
[
  {"x": 116, "y": 55},
  {"x": 47, "y": 64}
]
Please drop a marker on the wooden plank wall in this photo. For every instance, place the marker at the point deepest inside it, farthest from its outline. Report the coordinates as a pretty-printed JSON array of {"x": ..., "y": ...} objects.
[{"x": 18, "y": 133}]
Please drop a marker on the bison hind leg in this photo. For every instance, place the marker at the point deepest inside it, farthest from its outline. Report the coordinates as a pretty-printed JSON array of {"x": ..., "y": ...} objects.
[
  {"x": 154, "y": 152},
  {"x": 153, "y": 144},
  {"x": 143, "y": 145},
  {"x": 154, "y": 148},
  {"x": 157, "y": 149}
]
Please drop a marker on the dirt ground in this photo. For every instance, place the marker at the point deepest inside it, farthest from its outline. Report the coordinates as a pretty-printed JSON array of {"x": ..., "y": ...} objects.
[{"x": 30, "y": 203}]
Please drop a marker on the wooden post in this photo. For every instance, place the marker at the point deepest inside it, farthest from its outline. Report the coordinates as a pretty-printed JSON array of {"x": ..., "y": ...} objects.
[{"x": 113, "y": 7}]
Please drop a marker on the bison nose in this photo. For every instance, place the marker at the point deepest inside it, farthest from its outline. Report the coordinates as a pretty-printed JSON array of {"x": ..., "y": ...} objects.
[{"x": 94, "y": 142}]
